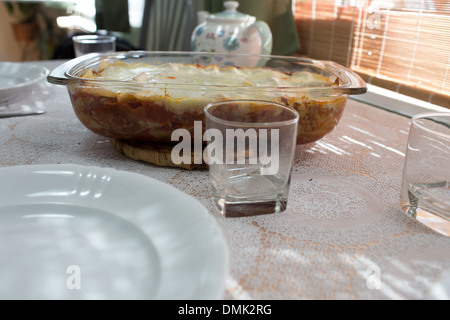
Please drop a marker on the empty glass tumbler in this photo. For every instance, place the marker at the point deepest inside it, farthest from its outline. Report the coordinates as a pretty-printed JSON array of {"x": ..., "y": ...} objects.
[
  {"x": 85, "y": 44},
  {"x": 250, "y": 153},
  {"x": 425, "y": 193}
]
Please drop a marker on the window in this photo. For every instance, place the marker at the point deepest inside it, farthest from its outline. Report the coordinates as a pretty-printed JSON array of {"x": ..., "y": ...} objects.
[{"x": 401, "y": 45}]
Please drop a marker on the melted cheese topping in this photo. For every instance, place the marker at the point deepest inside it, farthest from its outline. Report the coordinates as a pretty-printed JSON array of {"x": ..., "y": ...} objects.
[
  {"x": 189, "y": 82},
  {"x": 177, "y": 73}
]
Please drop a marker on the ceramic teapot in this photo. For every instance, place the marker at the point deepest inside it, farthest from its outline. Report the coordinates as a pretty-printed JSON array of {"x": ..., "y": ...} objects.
[{"x": 232, "y": 32}]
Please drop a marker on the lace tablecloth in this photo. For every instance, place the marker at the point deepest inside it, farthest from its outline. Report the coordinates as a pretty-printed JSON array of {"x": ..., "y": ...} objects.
[{"x": 342, "y": 237}]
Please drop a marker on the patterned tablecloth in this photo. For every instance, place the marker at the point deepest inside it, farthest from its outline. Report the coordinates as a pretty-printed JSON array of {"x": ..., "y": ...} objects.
[{"x": 342, "y": 237}]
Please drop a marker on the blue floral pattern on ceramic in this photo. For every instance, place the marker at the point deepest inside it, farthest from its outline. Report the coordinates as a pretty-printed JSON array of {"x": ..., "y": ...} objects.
[
  {"x": 231, "y": 44},
  {"x": 232, "y": 32},
  {"x": 199, "y": 31}
]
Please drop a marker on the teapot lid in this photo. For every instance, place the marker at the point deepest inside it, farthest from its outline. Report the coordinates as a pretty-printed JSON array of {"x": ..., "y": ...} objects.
[{"x": 231, "y": 12}]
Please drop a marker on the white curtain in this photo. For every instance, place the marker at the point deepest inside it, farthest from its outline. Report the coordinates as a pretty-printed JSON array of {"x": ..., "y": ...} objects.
[{"x": 168, "y": 24}]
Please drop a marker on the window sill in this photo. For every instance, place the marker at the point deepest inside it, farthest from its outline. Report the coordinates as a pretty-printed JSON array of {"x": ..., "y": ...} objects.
[{"x": 396, "y": 102}]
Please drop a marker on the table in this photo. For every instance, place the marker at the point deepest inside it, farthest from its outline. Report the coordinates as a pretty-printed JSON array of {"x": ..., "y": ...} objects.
[{"x": 342, "y": 237}]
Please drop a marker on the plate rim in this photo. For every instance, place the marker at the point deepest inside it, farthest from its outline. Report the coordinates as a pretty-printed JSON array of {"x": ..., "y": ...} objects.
[
  {"x": 42, "y": 73},
  {"x": 215, "y": 293}
]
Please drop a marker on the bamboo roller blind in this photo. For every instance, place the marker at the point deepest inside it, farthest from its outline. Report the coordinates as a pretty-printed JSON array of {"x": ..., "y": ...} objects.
[{"x": 403, "y": 46}]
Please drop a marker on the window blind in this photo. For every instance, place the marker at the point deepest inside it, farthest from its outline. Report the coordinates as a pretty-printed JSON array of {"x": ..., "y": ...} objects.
[{"x": 401, "y": 45}]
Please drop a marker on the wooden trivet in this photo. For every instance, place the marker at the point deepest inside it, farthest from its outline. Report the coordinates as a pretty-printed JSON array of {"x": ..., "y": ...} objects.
[{"x": 154, "y": 153}]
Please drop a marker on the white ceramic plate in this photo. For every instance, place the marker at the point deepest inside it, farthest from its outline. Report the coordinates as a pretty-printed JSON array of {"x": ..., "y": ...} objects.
[
  {"x": 16, "y": 76},
  {"x": 75, "y": 232}
]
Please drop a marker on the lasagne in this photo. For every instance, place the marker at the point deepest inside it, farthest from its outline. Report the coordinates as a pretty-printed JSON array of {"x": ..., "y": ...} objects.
[{"x": 147, "y": 102}]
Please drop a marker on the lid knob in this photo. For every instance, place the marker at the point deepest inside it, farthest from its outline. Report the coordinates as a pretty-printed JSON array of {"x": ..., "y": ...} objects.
[{"x": 231, "y": 6}]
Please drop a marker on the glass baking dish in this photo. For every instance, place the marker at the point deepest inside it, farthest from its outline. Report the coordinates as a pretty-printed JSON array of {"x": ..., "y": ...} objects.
[{"x": 127, "y": 109}]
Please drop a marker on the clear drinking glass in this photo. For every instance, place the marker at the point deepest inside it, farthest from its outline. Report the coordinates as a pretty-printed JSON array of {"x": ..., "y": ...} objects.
[
  {"x": 250, "y": 153},
  {"x": 85, "y": 44},
  {"x": 425, "y": 193}
]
